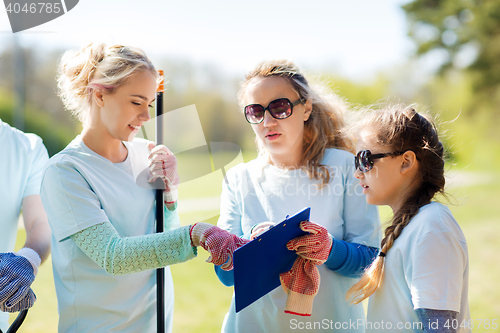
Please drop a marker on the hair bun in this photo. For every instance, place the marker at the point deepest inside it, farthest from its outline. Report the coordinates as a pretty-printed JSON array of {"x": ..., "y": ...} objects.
[{"x": 96, "y": 65}]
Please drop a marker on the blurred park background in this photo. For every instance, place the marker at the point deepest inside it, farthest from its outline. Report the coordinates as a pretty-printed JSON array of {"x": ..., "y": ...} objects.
[{"x": 450, "y": 67}]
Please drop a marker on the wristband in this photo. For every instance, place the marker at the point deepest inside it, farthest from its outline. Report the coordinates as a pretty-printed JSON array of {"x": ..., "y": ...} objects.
[
  {"x": 32, "y": 257},
  {"x": 197, "y": 233},
  {"x": 170, "y": 197}
]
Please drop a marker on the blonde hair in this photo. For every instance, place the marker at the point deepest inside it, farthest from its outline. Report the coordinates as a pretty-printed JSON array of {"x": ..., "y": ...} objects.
[
  {"x": 401, "y": 128},
  {"x": 322, "y": 130},
  {"x": 96, "y": 66}
]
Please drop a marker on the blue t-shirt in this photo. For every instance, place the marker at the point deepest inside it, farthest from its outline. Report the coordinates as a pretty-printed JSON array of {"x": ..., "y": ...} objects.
[
  {"x": 257, "y": 192},
  {"x": 80, "y": 189},
  {"x": 22, "y": 159}
]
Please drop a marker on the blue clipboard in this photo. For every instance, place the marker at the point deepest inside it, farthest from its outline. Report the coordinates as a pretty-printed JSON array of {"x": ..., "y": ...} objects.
[{"x": 258, "y": 264}]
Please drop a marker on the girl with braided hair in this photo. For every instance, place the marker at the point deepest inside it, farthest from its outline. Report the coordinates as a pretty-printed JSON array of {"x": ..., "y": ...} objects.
[{"x": 419, "y": 281}]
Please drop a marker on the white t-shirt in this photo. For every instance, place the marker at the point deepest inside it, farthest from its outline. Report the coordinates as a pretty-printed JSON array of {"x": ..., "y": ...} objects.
[
  {"x": 79, "y": 189},
  {"x": 22, "y": 159},
  {"x": 427, "y": 267},
  {"x": 257, "y": 192}
]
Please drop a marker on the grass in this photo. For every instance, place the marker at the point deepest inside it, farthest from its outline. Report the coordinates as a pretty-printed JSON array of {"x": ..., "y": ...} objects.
[{"x": 201, "y": 301}]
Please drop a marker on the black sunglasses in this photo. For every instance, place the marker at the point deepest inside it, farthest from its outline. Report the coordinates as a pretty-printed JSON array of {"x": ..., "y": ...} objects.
[
  {"x": 364, "y": 159},
  {"x": 280, "y": 108}
]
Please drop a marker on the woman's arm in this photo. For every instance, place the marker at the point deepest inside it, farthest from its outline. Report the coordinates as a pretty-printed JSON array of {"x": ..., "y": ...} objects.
[
  {"x": 350, "y": 259},
  {"x": 226, "y": 277},
  {"x": 36, "y": 225},
  {"x": 119, "y": 256},
  {"x": 229, "y": 219},
  {"x": 437, "y": 321}
]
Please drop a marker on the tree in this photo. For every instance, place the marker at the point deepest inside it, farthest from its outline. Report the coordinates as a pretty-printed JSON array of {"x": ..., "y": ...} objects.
[{"x": 465, "y": 35}]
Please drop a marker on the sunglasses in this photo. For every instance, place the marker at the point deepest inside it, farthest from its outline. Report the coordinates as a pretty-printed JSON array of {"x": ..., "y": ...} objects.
[
  {"x": 364, "y": 159},
  {"x": 280, "y": 108}
]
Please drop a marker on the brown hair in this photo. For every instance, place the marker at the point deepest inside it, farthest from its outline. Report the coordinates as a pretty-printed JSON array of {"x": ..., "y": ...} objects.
[
  {"x": 401, "y": 128},
  {"x": 323, "y": 128}
]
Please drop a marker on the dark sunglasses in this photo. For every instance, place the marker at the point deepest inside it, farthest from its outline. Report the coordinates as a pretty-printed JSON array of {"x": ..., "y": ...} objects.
[
  {"x": 364, "y": 159},
  {"x": 280, "y": 108}
]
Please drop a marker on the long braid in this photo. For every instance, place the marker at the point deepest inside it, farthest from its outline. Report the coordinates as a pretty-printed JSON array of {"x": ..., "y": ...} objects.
[{"x": 404, "y": 129}]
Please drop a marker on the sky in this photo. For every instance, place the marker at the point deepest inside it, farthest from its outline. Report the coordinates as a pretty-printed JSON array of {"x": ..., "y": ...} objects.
[{"x": 355, "y": 39}]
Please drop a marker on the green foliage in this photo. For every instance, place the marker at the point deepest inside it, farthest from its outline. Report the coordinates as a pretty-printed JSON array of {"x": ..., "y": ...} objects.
[
  {"x": 357, "y": 93},
  {"x": 214, "y": 95},
  {"x": 467, "y": 33},
  {"x": 55, "y": 134},
  {"x": 470, "y": 137}
]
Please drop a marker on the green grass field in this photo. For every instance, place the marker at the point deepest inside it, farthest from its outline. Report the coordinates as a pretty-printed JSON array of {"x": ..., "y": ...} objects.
[{"x": 201, "y": 301}]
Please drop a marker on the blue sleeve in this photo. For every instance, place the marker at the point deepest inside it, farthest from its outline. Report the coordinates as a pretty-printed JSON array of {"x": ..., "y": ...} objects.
[
  {"x": 226, "y": 277},
  {"x": 229, "y": 220},
  {"x": 437, "y": 321},
  {"x": 350, "y": 259}
]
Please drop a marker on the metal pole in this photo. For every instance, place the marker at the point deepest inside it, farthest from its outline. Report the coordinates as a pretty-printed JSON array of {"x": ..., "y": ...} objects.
[{"x": 160, "y": 272}]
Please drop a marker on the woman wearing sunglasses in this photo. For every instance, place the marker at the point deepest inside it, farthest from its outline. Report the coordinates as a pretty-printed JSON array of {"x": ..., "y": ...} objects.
[
  {"x": 100, "y": 203},
  {"x": 419, "y": 281},
  {"x": 304, "y": 161}
]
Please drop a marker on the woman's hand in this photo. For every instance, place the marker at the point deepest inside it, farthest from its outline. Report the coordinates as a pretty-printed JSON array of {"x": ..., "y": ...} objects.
[
  {"x": 315, "y": 246},
  {"x": 260, "y": 228},
  {"x": 16, "y": 276},
  {"x": 301, "y": 283},
  {"x": 163, "y": 165},
  {"x": 219, "y": 243}
]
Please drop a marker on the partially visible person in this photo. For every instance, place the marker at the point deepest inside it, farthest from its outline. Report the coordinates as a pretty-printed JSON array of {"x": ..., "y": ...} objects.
[
  {"x": 420, "y": 279},
  {"x": 22, "y": 159}
]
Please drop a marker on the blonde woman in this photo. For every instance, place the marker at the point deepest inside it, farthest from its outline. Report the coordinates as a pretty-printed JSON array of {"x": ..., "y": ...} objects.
[
  {"x": 100, "y": 206},
  {"x": 304, "y": 161}
]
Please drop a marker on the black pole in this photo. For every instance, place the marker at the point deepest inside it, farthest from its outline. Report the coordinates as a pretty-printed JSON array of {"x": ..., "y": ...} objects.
[
  {"x": 17, "y": 323},
  {"x": 160, "y": 272}
]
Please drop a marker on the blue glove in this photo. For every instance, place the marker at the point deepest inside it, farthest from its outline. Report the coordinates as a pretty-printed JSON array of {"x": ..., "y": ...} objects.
[
  {"x": 16, "y": 277},
  {"x": 25, "y": 303}
]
